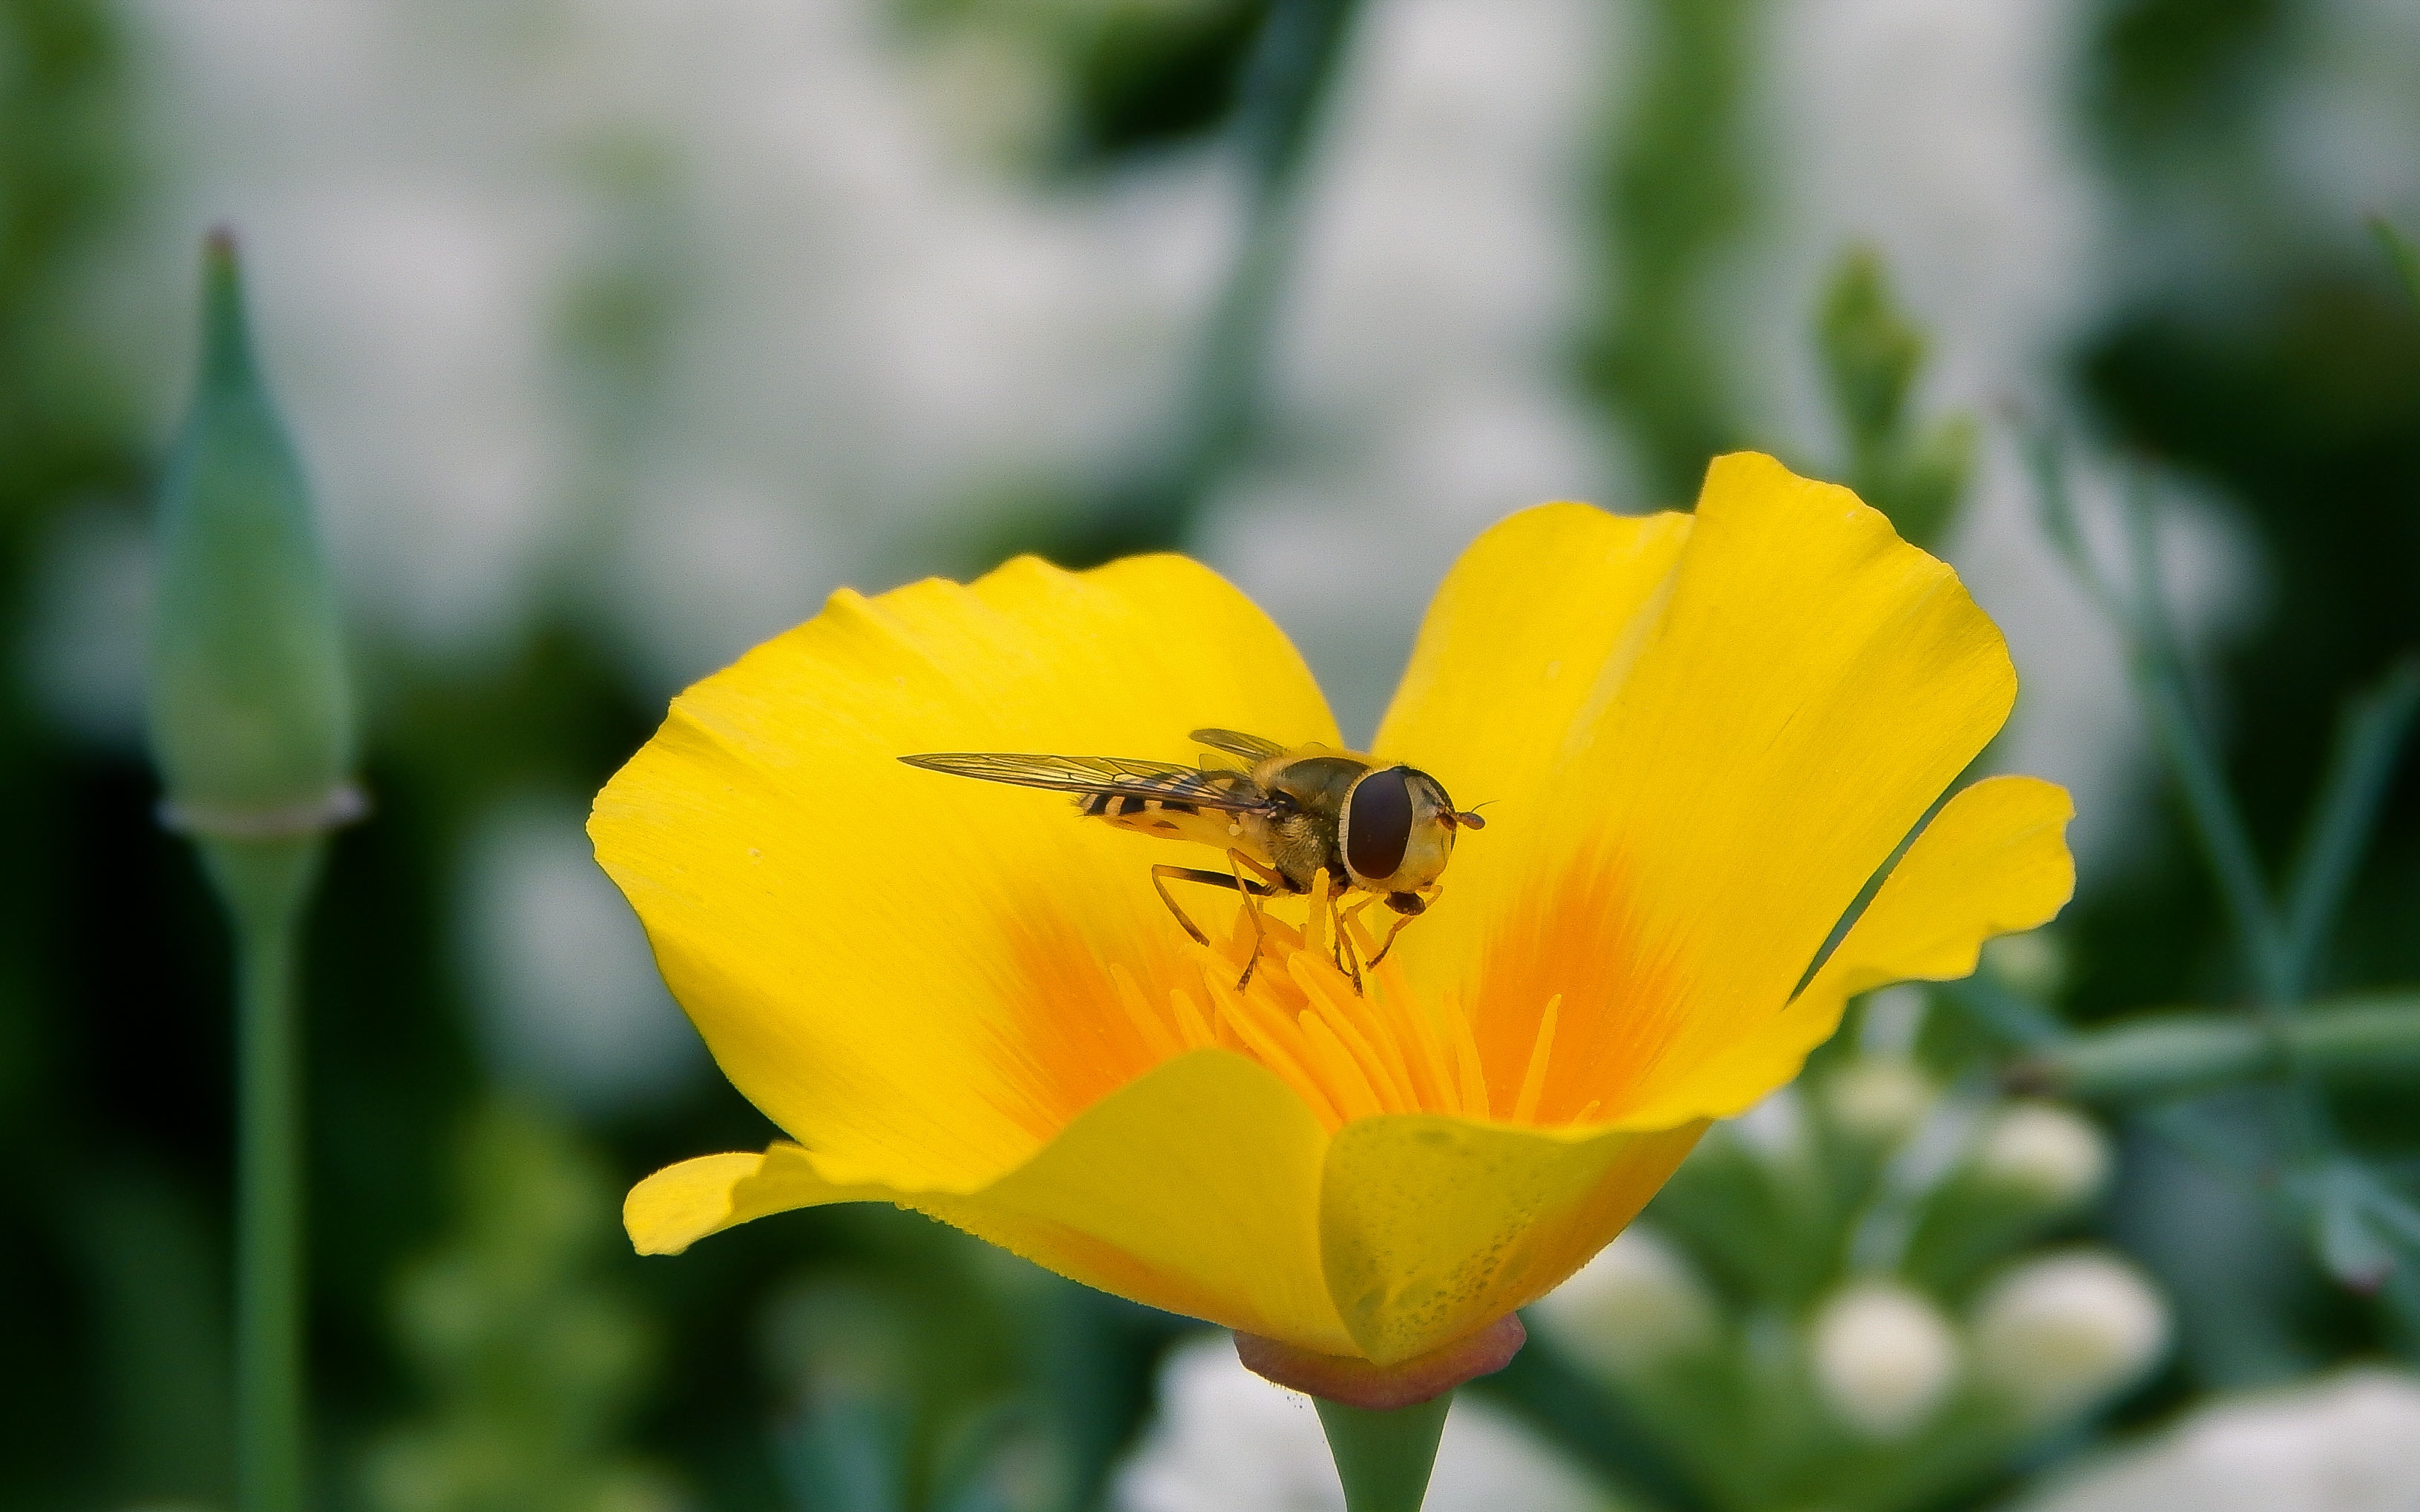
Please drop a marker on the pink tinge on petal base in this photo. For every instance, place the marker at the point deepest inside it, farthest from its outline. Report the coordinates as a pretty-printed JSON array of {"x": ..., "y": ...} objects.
[{"x": 1384, "y": 1388}]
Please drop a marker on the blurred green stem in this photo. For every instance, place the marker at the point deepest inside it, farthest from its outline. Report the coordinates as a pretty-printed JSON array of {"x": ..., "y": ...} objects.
[
  {"x": 265, "y": 886},
  {"x": 1294, "y": 64},
  {"x": 2172, "y": 1054},
  {"x": 1384, "y": 1458},
  {"x": 2159, "y": 674},
  {"x": 2359, "y": 771},
  {"x": 1678, "y": 194}
]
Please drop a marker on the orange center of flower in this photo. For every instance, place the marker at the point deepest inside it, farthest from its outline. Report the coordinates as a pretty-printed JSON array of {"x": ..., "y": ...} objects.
[{"x": 1349, "y": 1055}]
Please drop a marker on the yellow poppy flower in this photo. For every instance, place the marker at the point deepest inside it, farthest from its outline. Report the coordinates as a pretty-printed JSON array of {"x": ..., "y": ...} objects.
[{"x": 1698, "y": 735}]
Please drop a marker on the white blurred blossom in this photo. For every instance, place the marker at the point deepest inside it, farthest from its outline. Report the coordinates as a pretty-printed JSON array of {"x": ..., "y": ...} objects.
[
  {"x": 1884, "y": 1358},
  {"x": 2033, "y": 962},
  {"x": 2052, "y": 1154},
  {"x": 1226, "y": 1439},
  {"x": 2060, "y": 1333},
  {"x": 557, "y": 966},
  {"x": 2347, "y": 1443},
  {"x": 845, "y": 332},
  {"x": 1879, "y": 1098},
  {"x": 1638, "y": 1303},
  {"x": 1775, "y": 1127}
]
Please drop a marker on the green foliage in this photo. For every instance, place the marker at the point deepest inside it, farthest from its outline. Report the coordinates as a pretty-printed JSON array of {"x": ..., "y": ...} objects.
[
  {"x": 1872, "y": 354},
  {"x": 530, "y": 1361},
  {"x": 2362, "y": 1229},
  {"x": 1836, "y": 1304}
]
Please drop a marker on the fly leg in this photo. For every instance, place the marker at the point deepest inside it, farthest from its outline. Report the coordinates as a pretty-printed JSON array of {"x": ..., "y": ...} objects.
[
  {"x": 1161, "y": 875},
  {"x": 1403, "y": 922},
  {"x": 1270, "y": 883},
  {"x": 1347, "y": 959}
]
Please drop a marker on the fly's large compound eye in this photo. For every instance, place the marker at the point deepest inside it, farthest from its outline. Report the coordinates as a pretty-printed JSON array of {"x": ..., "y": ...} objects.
[{"x": 1378, "y": 823}]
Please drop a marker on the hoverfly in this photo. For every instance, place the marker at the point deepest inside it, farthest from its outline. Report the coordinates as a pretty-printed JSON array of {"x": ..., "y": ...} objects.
[{"x": 1289, "y": 814}]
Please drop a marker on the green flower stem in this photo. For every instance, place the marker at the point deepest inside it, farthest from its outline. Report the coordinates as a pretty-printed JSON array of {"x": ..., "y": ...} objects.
[
  {"x": 266, "y": 886},
  {"x": 2175, "y": 1054},
  {"x": 1384, "y": 1458},
  {"x": 2360, "y": 769}
]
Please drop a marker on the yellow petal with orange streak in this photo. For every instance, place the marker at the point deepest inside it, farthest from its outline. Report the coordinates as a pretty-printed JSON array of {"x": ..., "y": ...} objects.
[
  {"x": 906, "y": 971},
  {"x": 1434, "y": 1226},
  {"x": 1529, "y": 635},
  {"x": 1993, "y": 861},
  {"x": 1790, "y": 699},
  {"x": 1195, "y": 1189}
]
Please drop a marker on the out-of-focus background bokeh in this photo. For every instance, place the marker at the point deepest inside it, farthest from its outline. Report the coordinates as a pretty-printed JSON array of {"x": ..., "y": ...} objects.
[{"x": 615, "y": 335}]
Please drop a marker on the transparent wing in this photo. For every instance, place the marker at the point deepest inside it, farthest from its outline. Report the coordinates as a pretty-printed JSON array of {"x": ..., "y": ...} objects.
[
  {"x": 1236, "y": 743},
  {"x": 1115, "y": 775}
]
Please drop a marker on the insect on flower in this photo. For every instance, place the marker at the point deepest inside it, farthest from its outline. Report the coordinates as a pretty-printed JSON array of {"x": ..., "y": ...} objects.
[
  {"x": 1296, "y": 814},
  {"x": 1709, "y": 732}
]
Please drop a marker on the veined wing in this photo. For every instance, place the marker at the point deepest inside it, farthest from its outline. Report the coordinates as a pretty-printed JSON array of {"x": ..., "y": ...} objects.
[
  {"x": 1105, "y": 775},
  {"x": 1235, "y": 743}
]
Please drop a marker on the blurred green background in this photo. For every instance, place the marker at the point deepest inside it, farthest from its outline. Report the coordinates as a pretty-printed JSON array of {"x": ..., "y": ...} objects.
[{"x": 614, "y": 335}]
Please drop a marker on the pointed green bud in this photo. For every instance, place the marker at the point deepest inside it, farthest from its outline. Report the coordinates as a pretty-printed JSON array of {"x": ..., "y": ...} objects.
[
  {"x": 1871, "y": 352},
  {"x": 252, "y": 715}
]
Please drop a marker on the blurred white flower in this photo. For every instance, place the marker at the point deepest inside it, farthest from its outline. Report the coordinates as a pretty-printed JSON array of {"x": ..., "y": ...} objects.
[
  {"x": 1225, "y": 1439},
  {"x": 1775, "y": 1127},
  {"x": 2058, "y": 1334},
  {"x": 2051, "y": 1155},
  {"x": 1884, "y": 1358},
  {"x": 1879, "y": 1098},
  {"x": 827, "y": 310},
  {"x": 1638, "y": 1303},
  {"x": 2033, "y": 963},
  {"x": 2347, "y": 1444},
  {"x": 559, "y": 970}
]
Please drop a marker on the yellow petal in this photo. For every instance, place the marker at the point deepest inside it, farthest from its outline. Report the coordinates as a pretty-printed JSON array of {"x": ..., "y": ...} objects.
[
  {"x": 1434, "y": 1226},
  {"x": 1529, "y": 631},
  {"x": 1993, "y": 861},
  {"x": 1196, "y": 1189},
  {"x": 909, "y": 972},
  {"x": 1802, "y": 688}
]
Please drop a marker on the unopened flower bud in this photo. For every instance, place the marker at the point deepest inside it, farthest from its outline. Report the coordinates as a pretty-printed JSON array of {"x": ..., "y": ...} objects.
[
  {"x": 1884, "y": 1358},
  {"x": 1878, "y": 1098},
  {"x": 2049, "y": 1154},
  {"x": 252, "y": 716},
  {"x": 1638, "y": 1303},
  {"x": 2058, "y": 1334}
]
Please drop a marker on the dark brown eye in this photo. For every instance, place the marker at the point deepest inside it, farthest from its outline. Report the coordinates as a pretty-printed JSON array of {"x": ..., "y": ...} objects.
[{"x": 1378, "y": 823}]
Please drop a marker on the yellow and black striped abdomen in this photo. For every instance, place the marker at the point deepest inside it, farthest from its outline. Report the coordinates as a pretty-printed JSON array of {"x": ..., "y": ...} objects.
[{"x": 1170, "y": 818}]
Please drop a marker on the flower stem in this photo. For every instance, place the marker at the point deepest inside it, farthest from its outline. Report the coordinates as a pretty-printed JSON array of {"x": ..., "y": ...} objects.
[
  {"x": 265, "y": 886},
  {"x": 1384, "y": 1458}
]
